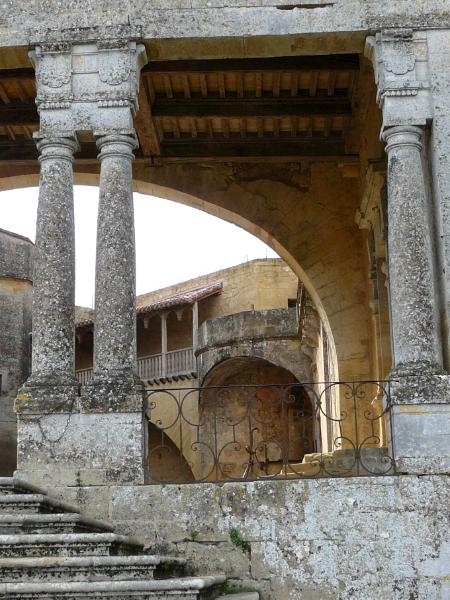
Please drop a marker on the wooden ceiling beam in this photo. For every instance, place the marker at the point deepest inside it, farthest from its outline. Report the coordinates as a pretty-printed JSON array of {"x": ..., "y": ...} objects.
[
  {"x": 264, "y": 107},
  {"x": 253, "y": 147},
  {"x": 145, "y": 126},
  {"x": 330, "y": 62},
  {"x": 18, "y": 114}
]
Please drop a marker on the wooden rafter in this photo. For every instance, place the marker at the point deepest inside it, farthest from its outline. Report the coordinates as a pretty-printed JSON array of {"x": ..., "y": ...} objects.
[{"x": 263, "y": 107}]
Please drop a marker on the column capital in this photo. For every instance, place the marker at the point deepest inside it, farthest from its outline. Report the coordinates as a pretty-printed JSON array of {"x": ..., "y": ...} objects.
[
  {"x": 400, "y": 63},
  {"x": 402, "y": 136},
  {"x": 117, "y": 144},
  {"x": 61, "y": 147},
  {"x": 88, "y": 86}
]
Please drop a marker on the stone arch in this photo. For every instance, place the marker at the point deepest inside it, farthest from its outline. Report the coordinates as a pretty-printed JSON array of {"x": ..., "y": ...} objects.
[
  {"x": 173, "y": 190},
  {"x": 258, "y": 416}
]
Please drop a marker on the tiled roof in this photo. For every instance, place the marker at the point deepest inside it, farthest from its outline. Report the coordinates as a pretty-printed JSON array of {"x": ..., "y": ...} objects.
[{"x": 85, "y": 317}]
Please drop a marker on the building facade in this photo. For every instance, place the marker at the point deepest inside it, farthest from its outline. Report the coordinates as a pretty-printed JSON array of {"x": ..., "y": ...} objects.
[
  {"x": 320, "y": 127},
  {"x": 16, "y": 263}
]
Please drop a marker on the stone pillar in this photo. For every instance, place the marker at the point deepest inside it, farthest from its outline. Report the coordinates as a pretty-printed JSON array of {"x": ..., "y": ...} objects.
[
  {"x": 53, "y": 347},
  {"x": 413, "y": 312},
  {"x": 115, "y": 361},
  {"x": 98, "y": 437},
  {"x": 419, "y": 428}
]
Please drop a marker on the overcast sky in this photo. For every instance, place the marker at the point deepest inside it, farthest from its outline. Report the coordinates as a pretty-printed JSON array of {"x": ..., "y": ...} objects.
[{"x": 173, "y": 242}]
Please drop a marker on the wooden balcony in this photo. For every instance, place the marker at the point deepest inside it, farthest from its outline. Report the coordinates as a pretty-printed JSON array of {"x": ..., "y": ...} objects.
[{"x": 177, "y": 363}]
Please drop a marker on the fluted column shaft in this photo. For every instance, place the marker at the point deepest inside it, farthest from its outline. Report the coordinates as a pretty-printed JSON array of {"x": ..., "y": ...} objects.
[
  {"x": 115, "y": 285},
  {"x": 414, "y": 320},
  {"x": 53, "y": 356}
]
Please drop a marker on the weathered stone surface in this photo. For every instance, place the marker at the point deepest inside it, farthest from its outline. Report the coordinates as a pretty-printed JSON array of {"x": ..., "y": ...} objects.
[
  {"x": 416, "y": 429},
  {"x": 201, "y": 18},
  {"x": 272, "y": 335},
  {"x": 95, "y": 563},
  {"x": 115, "y": 299},
  {"x": 361, "y": 538},
  {"x": 53, "y": 359},
  {"x": 414, "y": 321},
  {"x": 94, "y": 448}
]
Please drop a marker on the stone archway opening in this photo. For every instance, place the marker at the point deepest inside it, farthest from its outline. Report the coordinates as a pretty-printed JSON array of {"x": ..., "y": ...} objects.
[{"x": 258, "y": 418}]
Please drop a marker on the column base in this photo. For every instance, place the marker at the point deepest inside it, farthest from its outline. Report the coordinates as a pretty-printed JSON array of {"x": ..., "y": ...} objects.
[
  {"x": 420, "y": 422},
  {"x": 40, "y": 395},
  {"x": 421, "y": 438},
  {"x": 78, "y": 447}
]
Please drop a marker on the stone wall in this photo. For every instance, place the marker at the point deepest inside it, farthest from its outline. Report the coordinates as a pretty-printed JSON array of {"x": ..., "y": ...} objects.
[
  {"x": 15, "y": 327},
  {"x": 361, "y": 539}
]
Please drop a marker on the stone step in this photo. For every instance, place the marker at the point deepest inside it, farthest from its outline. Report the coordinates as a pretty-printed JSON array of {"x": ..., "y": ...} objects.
[
  {"x": 240, "y": 596},
  {"x": 68, "y": 544},
  {"x": 17, "y": 523},
  {"x": 13, "y": 485},
  {"x": 183, "y": 588},
  {"x": 84, "y": 568},
  {"x": 33, "y": 503}
]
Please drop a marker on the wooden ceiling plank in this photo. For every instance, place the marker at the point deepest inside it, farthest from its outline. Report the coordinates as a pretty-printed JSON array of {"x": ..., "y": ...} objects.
[
  {"x": 10, "y": 132},
  {"x": 3, "y": 95},
  {"x": 20, "y": 92},
  {"x": 331, "y": 82},
  {"x": 159, "y": 129},
  {"x": 276, "y": 83},
  {"x": 203, "y": 85},
  {"x": 186, "y": 86},
  {"x": 294, "y": 85},
  {"x": 193, "y": 123},
  {"x": 148, "y": 83},
  {"x": 276, "y": 127},
  {"x": 145, "y": 126},
  {"x": 313, "y": 78},
  {"x": 243, "y": 128},
  {"x": 168, "y": 86},
  {"x": 175, "y": 128},
  {"x": 209, "y": 128},
  {"x": 260, "y": 127},
  {"x": 239, "y": 84},
  {"x": 225, "y": 128},
  {"x": 221, "y": 81},
  {"x": 258, "y": 85}
]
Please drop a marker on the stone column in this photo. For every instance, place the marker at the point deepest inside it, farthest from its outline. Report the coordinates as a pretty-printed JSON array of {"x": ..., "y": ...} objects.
[
  {"x": 53, "y": 353},
  {"x": 115, "y": 361},
  {"x": 414, "y": 321}
]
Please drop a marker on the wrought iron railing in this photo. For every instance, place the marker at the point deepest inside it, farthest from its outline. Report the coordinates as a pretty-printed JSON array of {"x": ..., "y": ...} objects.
[
  {"x": 156, "y": 366},
  {"x": 256, "y": 432}
]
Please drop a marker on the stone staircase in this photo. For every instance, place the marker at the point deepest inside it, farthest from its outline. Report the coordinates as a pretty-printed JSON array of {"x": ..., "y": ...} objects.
[{"x": 51, "y": 552}]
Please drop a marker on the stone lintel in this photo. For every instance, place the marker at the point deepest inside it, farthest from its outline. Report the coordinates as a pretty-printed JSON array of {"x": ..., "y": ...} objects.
[{"x": 109, "y": 34}]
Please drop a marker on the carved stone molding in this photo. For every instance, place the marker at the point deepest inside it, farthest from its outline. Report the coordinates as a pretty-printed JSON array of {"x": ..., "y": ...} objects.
[
  {"x": 400, "y": 61},
  {"x": 90, "y": 86}
]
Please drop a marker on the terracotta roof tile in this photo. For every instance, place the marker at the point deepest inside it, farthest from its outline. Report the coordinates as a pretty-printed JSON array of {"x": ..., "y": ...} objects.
[{"x": 83, "y": 318}]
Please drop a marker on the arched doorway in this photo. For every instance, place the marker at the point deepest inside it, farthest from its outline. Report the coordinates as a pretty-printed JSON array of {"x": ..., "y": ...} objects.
[{"x": 257, "y": 420}]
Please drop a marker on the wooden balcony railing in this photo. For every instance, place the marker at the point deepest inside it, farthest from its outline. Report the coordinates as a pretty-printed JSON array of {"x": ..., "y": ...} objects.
[{"x": 155, "y": 366}]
